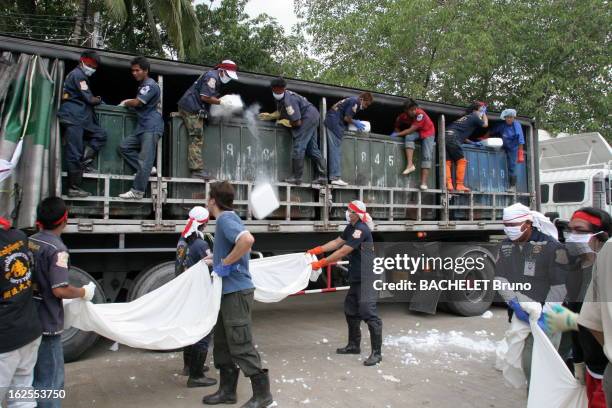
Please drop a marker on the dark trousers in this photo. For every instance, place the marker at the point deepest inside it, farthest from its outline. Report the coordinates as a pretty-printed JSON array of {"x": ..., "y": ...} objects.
[
  {"x": 139, "y": 152},
  {"x": 233, "y": 337},
  {"x": 75, "y": 137},
  {"x": 360, "y": 304},
  {"x": 203, "y": 343},
  {"x": 305, "y": 140},
  {"x": 49, "y": 369},
  {"x": 511, "y": 157},
  {"x": 454, "y": 151},
  {"x": 335, "y": 133}
]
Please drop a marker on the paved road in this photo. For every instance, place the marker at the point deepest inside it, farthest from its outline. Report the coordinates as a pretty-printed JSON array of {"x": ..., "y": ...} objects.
[{"x": 429, "y": 361}]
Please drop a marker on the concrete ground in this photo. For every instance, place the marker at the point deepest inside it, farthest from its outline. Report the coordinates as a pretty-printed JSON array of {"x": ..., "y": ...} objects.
[{"x": 429, "y": 361}]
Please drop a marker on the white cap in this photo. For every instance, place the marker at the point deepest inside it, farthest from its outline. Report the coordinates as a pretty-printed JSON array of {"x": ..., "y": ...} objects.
[{"x": 230, "y": 72}]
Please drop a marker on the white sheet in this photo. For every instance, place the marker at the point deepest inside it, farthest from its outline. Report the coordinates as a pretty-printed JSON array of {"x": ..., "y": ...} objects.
[
  {"x": 185, "y": 309},
  {"x": 509, "y": 354}
]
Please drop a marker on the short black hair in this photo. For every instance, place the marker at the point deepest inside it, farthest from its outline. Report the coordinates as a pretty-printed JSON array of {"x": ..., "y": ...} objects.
[
  {"x": 142, "y": 62},
  {"x": 50, "y": 211},
  {"x": 474, "y": 106},
  {"x": 410, "y": 103},
  {"x": 223, "y": 194},
  {"x": 603, "y": 216},
  {"x": 278, "y": 83}
]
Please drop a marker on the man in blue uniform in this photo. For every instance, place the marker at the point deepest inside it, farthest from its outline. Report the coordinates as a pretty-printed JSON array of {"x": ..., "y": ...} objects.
[
  {"x": 191, "y": 249},
  {"x": 78, "y": 121},
  {"x": 233, "y": 334},
  {"x": 51, "y": 265},
  {"x": 338, "y": 118},
  {"x": 194, "y": 107},
  {"x": 139, "y": 149},
  {"x": 297, "y": 113},
  {"x": 356, "y": 243},
  {"x": 511, "y": 133}
]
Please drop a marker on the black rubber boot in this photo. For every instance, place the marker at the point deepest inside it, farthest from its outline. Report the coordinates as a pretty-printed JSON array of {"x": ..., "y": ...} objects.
[
  {"x": 261, "y": 391},
  {"x": 321, "y": 172},
  {"x": 197, "y": 378},
  {"x": 376, "y": 340},
  {"x": 89, "y": 155},
  {"x": 186, "y": 359},
  {"x": 298, "y": 170},
  {"x": 512, "y": 187},
  {"x": 75, "y": 178},
  {"x": 226, "y": 394},
  {"x": 354, "y": 338}
]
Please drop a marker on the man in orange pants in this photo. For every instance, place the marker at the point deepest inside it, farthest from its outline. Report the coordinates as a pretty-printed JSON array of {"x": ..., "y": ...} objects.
[{"x": 458, "y": 133}]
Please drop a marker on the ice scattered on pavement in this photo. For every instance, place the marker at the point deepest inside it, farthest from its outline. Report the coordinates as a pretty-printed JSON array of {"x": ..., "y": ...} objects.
[
  {"x": 433, "y": 340},
  {"x": 390, "y": 378},
  {"x": 487, "y": 315},
  {"x": 114, "y": 347},
  {"x": 273, "y": 404},
  {"x": 325, "y": 341},
  {"x": 132, "y": 378},
  {"x": 306, "y": 401}
]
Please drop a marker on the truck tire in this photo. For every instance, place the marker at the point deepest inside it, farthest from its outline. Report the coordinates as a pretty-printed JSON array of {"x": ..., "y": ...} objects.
[
  {"x": 74, "y": 341},
  {"x": 474, "y": 303},
  {"x": 151, "y": 279}
]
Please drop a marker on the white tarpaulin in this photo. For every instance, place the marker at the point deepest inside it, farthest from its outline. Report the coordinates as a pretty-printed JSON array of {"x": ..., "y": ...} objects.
[
  {"x": 509, "y": 354},
  {"x": 185, "y": 309},
  {"x": 552, "y": 383}
]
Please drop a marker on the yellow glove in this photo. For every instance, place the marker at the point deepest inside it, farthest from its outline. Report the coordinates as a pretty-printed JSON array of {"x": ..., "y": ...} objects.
[
  {"x": 284, "y": 122},
  {"x": 269, "y": 116}
]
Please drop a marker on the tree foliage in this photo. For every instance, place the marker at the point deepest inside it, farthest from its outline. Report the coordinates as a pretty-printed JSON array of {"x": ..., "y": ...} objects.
[{"x": 550, "y": 59}]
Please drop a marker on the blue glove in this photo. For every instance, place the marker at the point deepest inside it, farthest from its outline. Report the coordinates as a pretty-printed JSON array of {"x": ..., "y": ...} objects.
[
  {"x": 394, "y": 134},
  {"x": 478, "y": 144},
  {"x": 542, "y": 324},
  {"x": 518, "y": 310},
  {"x": 224, "y": 270},
  {"x": 483, "y": 110},
  {"x": 359, "y": 125}
]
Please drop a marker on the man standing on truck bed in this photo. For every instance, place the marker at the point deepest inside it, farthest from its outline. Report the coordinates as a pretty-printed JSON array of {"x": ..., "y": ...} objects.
[
  {"x": 458, "y": 133},
  {"x": 191, "y": 249},
  {"x": 360, "y": 303},
  {"x": 139, "y": 149},
  {"x": 297, "y": 113},
  {"x": 51, "y": 265},
  {"x": 194, "y": 107},
  {"x": 513, "y": 139},
  {"x": 76, "y": 115},
  {"x": 338, "y": 117},
  {"x": 233, "y": 334}
]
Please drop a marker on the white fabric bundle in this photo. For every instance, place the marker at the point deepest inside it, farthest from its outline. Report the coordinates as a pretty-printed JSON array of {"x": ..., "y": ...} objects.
[
  {"x": 6, "y": 167},
  {"x": 277, "y": 277},
  {"x": 509, "y": 354}
]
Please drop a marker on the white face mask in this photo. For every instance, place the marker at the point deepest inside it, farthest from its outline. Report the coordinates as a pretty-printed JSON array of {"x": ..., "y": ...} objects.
[
  {"x": 578, "y": 243},
  {"x": 514, "y": 233},
  {"x": 89, "y": 71},
  {"x": 278, "y": 97},
  {"x": 224, "y": 78},
  {"x": 347, "y": 215}
]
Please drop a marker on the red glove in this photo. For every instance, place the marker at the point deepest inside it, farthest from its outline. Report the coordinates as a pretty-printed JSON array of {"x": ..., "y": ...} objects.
[
  {"x": 315, "y": 251},
  {"x": 319, "y": 264},
  {"x": 521, "y": 155}
]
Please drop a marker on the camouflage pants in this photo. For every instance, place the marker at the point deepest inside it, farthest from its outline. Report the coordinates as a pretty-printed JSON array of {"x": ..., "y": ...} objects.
[{"x": 195, "y": 126}]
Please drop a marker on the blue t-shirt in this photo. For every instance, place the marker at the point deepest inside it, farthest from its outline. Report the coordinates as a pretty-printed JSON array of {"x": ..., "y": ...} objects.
[
  {"x": 465, "y": 126},
  {"x": 208, "y": 84},
  {"x": 295, "y": 107},
  {"x": 341, "y": 109},
  {"x": 512, "y": 135},
  {"x": 77, "y": 100},
  {"x": 149, "y": 118},
  {"x": 227, "y": 231}
]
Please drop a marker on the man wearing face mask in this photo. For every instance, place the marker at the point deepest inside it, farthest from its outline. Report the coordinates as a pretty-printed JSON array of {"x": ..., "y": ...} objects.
[
  {"x": 356, "y": 243},
  {"x": 530, "y": 255},
  {"x": 194, "y": 107},
  {"x": 589, "y": 229},
  {"x": 338, "y": 118},
  {"x": 297, "y": 113},
  {"x": 76, "y": 115},
  {"x": 511, "y": 133}
]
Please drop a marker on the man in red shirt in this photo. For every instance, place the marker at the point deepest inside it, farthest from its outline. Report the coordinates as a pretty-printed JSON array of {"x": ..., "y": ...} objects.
[{"x": 413, "y": 124}]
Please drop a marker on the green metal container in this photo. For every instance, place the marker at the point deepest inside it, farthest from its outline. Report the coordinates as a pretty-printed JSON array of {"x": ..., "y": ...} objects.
[
  {"x": 374, "y": 160},
  {"x": 238, "y": 151},
  {"x": 118, "y": 122}
]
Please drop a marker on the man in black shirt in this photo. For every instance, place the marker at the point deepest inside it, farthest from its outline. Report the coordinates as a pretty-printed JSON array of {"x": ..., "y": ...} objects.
[
  {"x": 360, "y": 304},
  {"x": 19, "y": 325}
]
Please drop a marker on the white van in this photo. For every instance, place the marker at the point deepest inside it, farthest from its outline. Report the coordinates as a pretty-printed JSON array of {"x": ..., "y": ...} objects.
[{"x": 575, "y": 172}]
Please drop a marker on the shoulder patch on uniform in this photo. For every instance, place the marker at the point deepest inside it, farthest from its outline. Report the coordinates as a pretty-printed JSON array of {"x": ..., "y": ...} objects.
[
  {"x": 290, "y": 110},
  {"x": 212, "y": 82},
  {"x": 355, "y": 106},
  {"x": 83, "y": 85},
  {"x": 561, "y": 257},
  {"x": 145, "y": 90},
  {"x": 62, "y": 259},
  {"x": 357, "y": 234},
  {"x": 419, "y": 117}
]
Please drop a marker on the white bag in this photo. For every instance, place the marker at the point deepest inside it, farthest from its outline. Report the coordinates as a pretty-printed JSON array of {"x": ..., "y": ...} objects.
[
  {"x": 277, "y": 277},
  {"x": 509, "y": 354}
]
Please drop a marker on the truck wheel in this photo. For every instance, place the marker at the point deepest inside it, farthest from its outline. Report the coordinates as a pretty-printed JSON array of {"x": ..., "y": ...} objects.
[
  {"x": 75, "y": 341},
  {"x": 151, "y": 279},
  {"x": 474, "y": 302}
]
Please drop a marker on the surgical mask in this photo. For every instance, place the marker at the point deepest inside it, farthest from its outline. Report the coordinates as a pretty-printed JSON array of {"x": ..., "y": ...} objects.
[
  {"x": 278, "y": 97},
  {"x": 224, "y": 78},
  {"x": 89, "y": 71},
  {"x": 347, "y": 215},
  {"x": 513, "y": 233},
  {"x": 578, "y": 244}
]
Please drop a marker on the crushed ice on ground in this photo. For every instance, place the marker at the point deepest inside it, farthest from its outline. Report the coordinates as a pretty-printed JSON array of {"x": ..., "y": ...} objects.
[
  {"x": 325, "y": 341},
  {"x": 434, "y": 340},
  {"x": 390, "y": 378},
  {"x": 114, "y": 347},
  {"x": 487, "y": 315},
  {"x": 306, "y": 401}
]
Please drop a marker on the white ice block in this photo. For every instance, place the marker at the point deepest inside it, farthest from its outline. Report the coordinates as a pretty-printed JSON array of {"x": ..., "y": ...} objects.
[
  {"x": 368, "y": 127},
  {"x": 494, "y": 142},
  {"x": 263, "y": 201}
]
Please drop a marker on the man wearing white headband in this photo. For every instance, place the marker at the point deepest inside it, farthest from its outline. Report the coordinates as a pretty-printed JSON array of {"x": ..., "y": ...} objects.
[
  {"x": 360, "y": 304},
  {"x": 194, "y": 106},
  {"x": 191, "y": 249},
  {"x": 511, "y": 133},
  {"x": 530, "y": 255}
]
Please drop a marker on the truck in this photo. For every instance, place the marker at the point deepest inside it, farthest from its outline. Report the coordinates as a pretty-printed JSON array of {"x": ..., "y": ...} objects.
[
  {"x": 575, "y": 172},
  {"x": 128, "y": 247}
]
